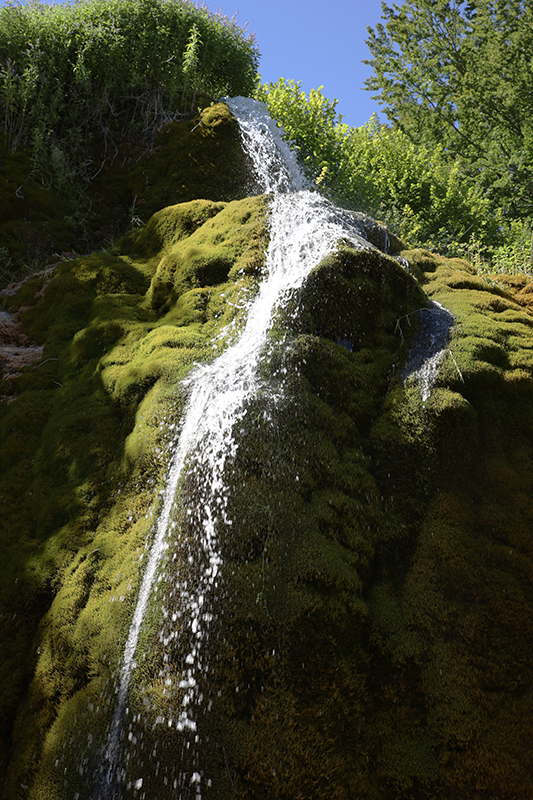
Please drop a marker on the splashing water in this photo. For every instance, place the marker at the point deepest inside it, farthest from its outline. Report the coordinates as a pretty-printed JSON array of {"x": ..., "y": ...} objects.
[
  {"x": 429, "y": 347},
  {"x": 304, "y": 228},
  {"x": 275, "y": 166}
]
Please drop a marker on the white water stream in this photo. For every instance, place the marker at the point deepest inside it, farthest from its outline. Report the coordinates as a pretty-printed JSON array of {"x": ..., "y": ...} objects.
[
  {"x": 304, "y": 228},
  {"x": 429, "y": 347}
]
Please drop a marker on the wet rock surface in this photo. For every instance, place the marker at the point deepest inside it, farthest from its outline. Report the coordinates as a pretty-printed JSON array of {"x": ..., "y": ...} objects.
[{"x": 427, "y": 348}]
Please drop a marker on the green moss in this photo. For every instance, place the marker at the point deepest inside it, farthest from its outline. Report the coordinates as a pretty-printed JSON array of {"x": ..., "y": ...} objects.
[
  {"x": 203, "y": 158},
  {"x": 305, "y": 518},
  {"x": 43, "y": 223},
  {"x": 83, "y": 456},
  {"x": 374, "y": 608},
  {"x": 439, "y": 602},
  {"x": 214, "y": 247}
]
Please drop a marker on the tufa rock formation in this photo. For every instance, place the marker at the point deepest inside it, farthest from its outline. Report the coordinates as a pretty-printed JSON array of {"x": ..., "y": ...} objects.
[{"x": 375, "y": 611}]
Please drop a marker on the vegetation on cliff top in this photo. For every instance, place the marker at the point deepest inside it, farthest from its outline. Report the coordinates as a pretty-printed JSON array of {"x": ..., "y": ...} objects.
[
  {"x": 459, "y": 75},
  {"x": 78, "y": 81},
  {"x": 102, "y": 76},
  {"x": 453, "y": 170}
]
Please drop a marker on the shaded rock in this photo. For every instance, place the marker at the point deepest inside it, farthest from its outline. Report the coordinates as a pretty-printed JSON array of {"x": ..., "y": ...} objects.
[
  {"x": 16, "y": 349},
  {"x": 374, "y": 614}
]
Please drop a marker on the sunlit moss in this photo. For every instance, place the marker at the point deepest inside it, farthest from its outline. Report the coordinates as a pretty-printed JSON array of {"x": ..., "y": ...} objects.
[
  {"x": 84, "y": 454},
  {"x": 374, "y": 609}
]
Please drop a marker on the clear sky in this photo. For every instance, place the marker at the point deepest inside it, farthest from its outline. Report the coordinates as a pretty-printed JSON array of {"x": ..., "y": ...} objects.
[{"x": 318, "y": 42}]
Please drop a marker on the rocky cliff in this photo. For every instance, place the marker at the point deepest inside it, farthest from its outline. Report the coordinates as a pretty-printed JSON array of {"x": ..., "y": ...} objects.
[{"x": 374, "y": 614}]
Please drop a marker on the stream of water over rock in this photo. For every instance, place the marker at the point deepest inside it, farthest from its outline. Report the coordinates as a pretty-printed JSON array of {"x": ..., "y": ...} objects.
[{"x": 304, "y": 228}]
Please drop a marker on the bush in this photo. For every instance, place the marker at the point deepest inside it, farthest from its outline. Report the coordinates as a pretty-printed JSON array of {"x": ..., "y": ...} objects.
[
  {"x": 422, "y": 194},
  {"x": 109, "y": 69}
]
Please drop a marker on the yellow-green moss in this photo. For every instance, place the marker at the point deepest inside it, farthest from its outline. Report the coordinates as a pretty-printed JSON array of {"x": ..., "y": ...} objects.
[
  {"x": 83, "y": 457},
  {"x": 375, "y": 604}
]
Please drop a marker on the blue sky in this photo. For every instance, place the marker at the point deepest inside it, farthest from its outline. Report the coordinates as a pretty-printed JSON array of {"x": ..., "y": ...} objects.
[{"x": 318, "y": 43}]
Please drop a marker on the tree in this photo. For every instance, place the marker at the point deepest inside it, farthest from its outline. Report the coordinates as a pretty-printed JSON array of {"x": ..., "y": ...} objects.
[
  {"x": 459, "y": 73},
  {"x": 311, "y": 123},
  {"x": 419, "y": 191}
]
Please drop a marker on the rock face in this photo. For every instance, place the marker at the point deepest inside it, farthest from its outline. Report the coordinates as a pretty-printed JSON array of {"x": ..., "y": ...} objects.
[
  {"x": 16, "y": 351},
  {"x": 374, "y": 617}
]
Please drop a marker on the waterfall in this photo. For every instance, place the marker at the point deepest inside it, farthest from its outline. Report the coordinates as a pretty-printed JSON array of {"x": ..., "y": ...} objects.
[
  {"x": 304, "y": 228},
  {"x": 429, "y": 347},
  {"x": 274, "y": 163}
]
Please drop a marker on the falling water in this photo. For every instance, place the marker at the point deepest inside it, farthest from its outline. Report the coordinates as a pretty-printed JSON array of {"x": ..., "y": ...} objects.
[
  {"x": 304, "y": 228},
  {"x": 429, "y": 347},
  {"x": 275, "y": 166}
]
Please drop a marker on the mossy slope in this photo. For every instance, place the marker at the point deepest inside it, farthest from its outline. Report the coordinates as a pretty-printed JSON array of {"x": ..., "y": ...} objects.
[
  {"x": 372, "y": 625},
  {"x": 82, "y": 451},
  {"x": 451, "y": 599},
  {"x": 375, "y": 606}
]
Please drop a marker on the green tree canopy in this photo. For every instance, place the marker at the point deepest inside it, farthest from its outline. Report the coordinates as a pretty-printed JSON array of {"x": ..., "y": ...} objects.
[
  {"x": 419, "y": 190},
  {"x": 311, "y": 123},
  {"x": 459, "y": 73}
]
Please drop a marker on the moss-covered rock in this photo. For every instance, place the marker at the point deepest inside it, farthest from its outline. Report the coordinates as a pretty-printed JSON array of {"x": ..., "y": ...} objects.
[
  {"x": 82, "y": 455},
  {"x": 451, "y": 602},
  {"x": 372, "y": 621},
  {"x": 47, "y": 217}
]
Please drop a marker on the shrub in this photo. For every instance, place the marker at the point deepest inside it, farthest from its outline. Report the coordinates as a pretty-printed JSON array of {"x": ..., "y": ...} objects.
[{"x": 109, "y": 69}]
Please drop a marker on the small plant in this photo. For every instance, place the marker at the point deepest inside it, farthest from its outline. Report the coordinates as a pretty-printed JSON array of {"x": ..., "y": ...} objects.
[
  {"x": 135, "y": 220},
  {"x": 191, "y": 60},
  {"x": 513, "y": 256}
]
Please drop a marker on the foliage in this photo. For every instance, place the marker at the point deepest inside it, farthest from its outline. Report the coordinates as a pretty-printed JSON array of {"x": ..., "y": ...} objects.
[
  {"x": 420, "y": 192},
  {"x": 191, "y": 61},
  {"x": 71, "y": 74},
  {"x": 514, "y": 255},
  {"x": 191, "y": 158},
  {"x": 458, "y": 75},
  {"x": 311, "y": 124},
  {"x": 455, "y": 171}
]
